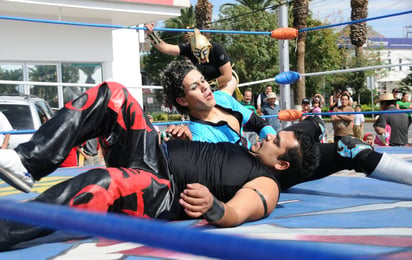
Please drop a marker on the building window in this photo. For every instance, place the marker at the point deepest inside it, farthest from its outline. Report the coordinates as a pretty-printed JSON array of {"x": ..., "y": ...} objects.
[
  {"x": 12, "y": 72},
  {"x": 80, "y": 73},
  {"x": 56, "y": 94},
  {"x": 44, "y": 73}
]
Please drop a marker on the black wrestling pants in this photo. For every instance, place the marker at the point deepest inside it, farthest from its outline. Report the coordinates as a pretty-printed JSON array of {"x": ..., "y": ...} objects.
[{"x": 107, "y": 111}]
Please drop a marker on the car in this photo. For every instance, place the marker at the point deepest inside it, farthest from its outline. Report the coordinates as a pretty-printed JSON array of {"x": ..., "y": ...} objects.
[{"x": 24, "y": 113}]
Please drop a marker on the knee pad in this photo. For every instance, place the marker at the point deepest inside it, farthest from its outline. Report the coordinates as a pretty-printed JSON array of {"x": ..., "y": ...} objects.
[{"x": 350, "y": 147}]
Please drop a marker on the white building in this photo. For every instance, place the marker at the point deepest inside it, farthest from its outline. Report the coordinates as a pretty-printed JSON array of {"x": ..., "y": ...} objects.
[
  {"x": 34, "y": 45},
  {"x": 392, "y": 51}
]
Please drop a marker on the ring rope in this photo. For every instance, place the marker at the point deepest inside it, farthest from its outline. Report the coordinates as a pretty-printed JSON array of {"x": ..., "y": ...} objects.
[
  {"x": 30, "y": 131},
  {"x": 329, "y": 72},
  {"x": 239, "y": 85},
  {"x": 191, "y": 30},
  {"x": 156, "y": 233},
  {"x": 354, "y": 21}
]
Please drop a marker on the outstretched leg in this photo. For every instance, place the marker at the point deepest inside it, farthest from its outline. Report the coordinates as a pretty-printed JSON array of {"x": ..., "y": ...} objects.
[
  {"x": 352, "y": 154},
  {"x": 107, "y": 111}
]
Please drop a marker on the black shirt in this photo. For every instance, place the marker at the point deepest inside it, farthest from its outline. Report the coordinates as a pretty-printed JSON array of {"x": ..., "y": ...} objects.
[
  {"x": 223, "y": 167},
  {"x": 217, "y": 58}
]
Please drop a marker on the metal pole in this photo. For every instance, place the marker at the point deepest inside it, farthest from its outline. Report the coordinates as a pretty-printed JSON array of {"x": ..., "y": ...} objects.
[{"x": 285, "y": 101}]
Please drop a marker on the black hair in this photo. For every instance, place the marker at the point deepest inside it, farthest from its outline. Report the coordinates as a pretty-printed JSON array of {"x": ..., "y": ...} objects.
[
  {"x": 345, "y": 95},
  {"x": 303, "y": 160},
  {"x": 171, "y": 80},
  {"x": 388, "y": 102}
]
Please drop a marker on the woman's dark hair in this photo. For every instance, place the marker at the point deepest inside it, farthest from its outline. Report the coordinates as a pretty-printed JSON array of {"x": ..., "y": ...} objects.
[{"x": 171, "y": 80}]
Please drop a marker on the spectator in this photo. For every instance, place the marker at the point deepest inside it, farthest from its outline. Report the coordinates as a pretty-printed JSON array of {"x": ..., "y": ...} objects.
[
  {"x": 320, "y": 98},
  {"x": 404, "y": 103},
  {"x": 348, "y": 91},
  {"x": 358, "y": 121},
  {"x": 91, "y": 152},
  {"x": 260, "y": 101},
  {"x": 4, "y": 126},
  {"x": 317, "y": 106},
  {"x": 305, "y": 108},
  {"x": 368, "y": 138},
  {"x": 248, "y": 133},
  {"x": 342, "y": 124},
  {"x": 396, "y": 94},
  {"x": 398, "y": 122},
  {"x": 272, "y": 109},
  {"x": 334, "y": 99},
  {"x": 247, "y": 100}
]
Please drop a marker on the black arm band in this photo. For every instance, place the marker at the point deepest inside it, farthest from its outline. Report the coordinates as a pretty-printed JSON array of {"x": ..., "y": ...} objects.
[
  {"x": 216, "y": 212},
  {"x": 265, "y": 205}
]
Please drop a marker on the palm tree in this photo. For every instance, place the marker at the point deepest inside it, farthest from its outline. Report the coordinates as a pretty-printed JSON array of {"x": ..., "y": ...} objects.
[
  {"x": 252, "y": 4},
  {"x": 300, "y": 14},
  {"x": 358, "y": 31},
  {"x": 358, "y": 35},
  {"x": 185, "y": 20},
  {"x": 203, "y": 11},
  {"x": 89, "y": 70}
]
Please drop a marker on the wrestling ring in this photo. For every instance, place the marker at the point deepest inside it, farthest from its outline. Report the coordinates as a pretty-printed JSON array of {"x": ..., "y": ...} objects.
[{"x": 338, "y": 217}]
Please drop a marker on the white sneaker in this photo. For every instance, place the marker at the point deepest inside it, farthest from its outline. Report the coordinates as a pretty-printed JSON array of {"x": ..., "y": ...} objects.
[{"x": 13, "y": 172}]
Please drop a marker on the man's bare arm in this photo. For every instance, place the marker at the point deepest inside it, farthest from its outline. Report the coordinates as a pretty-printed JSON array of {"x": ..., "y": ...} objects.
[
  {"x": 255, "y": 200},
  {"x": 159, "y": 44}
]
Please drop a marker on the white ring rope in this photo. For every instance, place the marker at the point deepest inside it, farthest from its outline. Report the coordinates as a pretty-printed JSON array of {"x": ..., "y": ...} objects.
[
  {"x": 329, "y": 72},
  {"x": 16, "y": 82}
]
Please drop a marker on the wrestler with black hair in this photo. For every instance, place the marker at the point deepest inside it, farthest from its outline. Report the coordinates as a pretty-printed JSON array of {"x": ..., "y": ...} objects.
[{"x": 217, "y": 117}]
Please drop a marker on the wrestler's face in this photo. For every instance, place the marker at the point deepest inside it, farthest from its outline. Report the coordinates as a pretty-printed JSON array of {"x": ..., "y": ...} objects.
[
  {"x": 198, "y": 96},
  {"x": 274, "y": 146},
  {"x": 202, "y": 55}
]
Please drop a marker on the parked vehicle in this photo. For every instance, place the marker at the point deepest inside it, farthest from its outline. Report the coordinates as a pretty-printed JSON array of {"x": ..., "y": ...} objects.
[{"x": 24, "y": 113}]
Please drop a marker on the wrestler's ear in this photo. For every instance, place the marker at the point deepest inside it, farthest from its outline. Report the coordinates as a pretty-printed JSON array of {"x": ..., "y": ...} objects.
[
  {"x": 281, "y": 165},
  {"x": 182, "y": 101}
]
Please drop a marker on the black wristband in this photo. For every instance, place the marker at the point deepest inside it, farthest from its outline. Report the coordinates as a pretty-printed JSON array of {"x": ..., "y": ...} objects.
[{"x": 216, "y": 212}]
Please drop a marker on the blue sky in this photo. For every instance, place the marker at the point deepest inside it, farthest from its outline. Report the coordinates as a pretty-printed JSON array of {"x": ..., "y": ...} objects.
[{"x": 337, "y": 11}]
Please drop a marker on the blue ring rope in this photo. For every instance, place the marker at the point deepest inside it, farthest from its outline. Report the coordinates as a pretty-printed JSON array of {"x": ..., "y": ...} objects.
[
  {"x": 265, "y": 116},
  {"x": 191, "y": 30},
  {"x": 132, "y": 229},
  {"x": 156, "y": 233},
  {"x": 353, "y": 22}
]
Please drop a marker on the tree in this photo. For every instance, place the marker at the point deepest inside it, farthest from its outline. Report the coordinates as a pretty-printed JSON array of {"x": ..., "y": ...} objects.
[
  {"x": 358, "y": 36},
  {"x": 406, "y": 83},
  {"x": 322, "y": 54},
  {"x": 11, "y": 74},
  {"x": 358, "y": 31},
  {"x": 300, "y": 14},
  {"x": 203, "y": 11},
  {"x": 255, "y": 57},
  {"x": 252, "y": 4}
]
